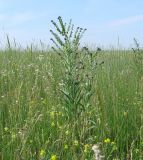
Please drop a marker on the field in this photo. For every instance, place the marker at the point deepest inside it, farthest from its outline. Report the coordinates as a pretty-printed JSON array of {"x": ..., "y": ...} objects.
[
  {"x": 61, "y": 107},
  {"x": 32, "y": 121}
]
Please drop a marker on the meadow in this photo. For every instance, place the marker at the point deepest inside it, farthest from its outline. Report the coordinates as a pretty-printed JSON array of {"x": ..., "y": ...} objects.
[{"x": 71, "y": 104}]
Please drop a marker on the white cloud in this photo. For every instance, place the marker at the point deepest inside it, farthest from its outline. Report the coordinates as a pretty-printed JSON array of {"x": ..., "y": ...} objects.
[{"x": 125, "y": 21}]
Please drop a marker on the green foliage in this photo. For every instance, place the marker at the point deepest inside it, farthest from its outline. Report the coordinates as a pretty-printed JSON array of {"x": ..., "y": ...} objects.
[
  {"x": 138, "y": 57},
  {"x": 76, "y": 84}
]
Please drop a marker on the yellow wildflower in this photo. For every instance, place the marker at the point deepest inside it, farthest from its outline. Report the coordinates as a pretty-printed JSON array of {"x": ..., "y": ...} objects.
[
  {"x": 75, "y": 143},
  {"x": 107, "y": 140},
  {"x": 53, "y": 157},
  {"x": 86, "y": 148},
  {"x": 42, "y": 153}
]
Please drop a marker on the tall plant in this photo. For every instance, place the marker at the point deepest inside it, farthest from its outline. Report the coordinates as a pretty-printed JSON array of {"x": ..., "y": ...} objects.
[
  {"x": 76, "y": 85},
  {"x": 138, "y": 57}
]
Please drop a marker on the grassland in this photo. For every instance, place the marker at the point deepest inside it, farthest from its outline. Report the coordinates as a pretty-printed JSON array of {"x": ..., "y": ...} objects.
[{"x": 34, "y": 125}]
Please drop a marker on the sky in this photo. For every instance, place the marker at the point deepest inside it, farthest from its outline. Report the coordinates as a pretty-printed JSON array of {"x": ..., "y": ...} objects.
[{"x": 108, "y": 22}]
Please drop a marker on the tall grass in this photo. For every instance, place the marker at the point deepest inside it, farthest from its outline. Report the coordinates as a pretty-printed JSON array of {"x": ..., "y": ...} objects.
[{"x": 45, "y": 115}]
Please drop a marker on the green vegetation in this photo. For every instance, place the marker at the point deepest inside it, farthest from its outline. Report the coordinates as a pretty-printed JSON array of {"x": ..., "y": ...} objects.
[{"x": 57, "y": 104}]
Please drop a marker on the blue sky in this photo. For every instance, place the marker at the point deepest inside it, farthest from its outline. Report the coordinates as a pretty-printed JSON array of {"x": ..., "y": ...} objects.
[{"x": 29, "y": 20}]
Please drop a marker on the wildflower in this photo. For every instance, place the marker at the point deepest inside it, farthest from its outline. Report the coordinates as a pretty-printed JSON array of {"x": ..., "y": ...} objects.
[
  {"x": 53, "y": 157},
  {"x": 107, "y": 140},
  {"x": 66, "y": 147},
  {"x": 42, "y": 153},
  {"x": 97, "y": 154},
  {"x": 86, "y": 148},
  {"x": 75, "y": 143}
]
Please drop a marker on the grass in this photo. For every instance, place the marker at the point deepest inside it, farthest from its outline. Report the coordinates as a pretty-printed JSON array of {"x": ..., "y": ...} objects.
[
  {"x": 45, "y": 115},
  {"x": 32, "y": 121}
]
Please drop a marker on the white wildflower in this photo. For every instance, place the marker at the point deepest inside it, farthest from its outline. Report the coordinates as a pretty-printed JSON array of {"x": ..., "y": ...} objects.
[{"x": 97, "y": 153}]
